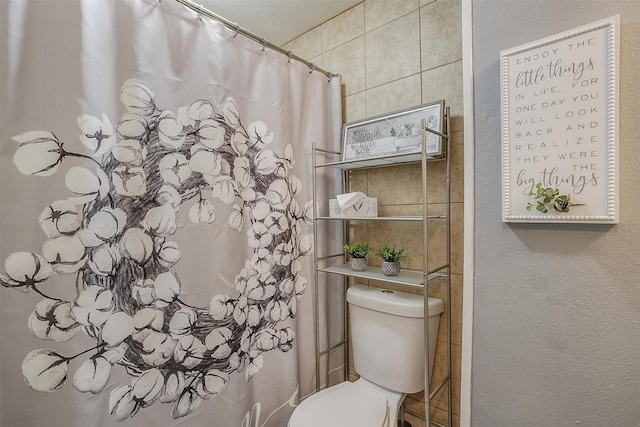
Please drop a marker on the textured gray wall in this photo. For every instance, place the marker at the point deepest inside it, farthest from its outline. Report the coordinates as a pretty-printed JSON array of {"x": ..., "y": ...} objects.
[{"x": 557, "y": 307}]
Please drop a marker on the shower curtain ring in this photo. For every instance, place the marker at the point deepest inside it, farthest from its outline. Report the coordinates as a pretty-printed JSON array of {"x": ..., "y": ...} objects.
[
  {"x": 237, "y": 30},
  {"x": 200, "y": 12},
  {"x": 330, "y": 77},
  {"x": 290, "y": 55},
  {"x": 264, "y": 44},
  {"x": 313, "y": 67}
]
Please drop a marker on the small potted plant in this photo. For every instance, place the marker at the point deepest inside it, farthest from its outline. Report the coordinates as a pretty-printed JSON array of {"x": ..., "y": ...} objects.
[
  {"x": 391, "y": 259},
  {"x": 358, "y": 252}
]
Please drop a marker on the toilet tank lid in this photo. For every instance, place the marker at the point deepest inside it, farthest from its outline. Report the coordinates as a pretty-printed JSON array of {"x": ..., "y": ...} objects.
[{"x": 392, "y": 302}]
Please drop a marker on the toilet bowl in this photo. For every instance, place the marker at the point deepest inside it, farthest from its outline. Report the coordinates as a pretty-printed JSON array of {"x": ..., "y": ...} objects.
[
  {"x": 387, "y": 334},
  {"x": 347, "y": 404}
]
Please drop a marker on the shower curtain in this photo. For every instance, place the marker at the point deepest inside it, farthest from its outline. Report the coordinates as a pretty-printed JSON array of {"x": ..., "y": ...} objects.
[{"x": 155, "y": 205}]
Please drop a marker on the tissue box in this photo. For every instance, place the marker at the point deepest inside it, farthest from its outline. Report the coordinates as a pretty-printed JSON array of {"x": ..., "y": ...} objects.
[{"x": 365, "y": 207}]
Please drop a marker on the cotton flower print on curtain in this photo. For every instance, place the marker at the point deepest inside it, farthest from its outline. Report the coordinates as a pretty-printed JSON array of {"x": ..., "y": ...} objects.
[{"x": 155, "y": 222}]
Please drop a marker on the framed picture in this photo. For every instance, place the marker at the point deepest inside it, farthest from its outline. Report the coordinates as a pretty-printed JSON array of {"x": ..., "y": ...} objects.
[
  {"x": 395, "y": 134},
  {"x": 560, "y": 127}
]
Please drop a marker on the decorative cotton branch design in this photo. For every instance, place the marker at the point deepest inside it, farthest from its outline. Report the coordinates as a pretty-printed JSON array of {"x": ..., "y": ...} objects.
[{"x": 113, "y": 238}]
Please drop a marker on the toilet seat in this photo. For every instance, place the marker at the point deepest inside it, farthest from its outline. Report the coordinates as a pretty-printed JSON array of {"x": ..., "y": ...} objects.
[{"x": 344, "y": 405}]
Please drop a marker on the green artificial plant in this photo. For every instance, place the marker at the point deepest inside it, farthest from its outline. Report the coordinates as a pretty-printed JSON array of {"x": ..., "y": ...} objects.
[
  {"x": 546, "y": 198},
  {"x": 391, "y": 253},
  {"x": 357, "y": 249}
]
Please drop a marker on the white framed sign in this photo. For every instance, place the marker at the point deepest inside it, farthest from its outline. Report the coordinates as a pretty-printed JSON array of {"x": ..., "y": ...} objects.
[
  {"x": 560, "y": 127},
  {"x": 394, "y": 134}
]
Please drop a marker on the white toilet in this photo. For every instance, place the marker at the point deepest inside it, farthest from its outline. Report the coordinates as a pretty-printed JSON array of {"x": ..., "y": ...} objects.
[{"x": 387, "y": 333}]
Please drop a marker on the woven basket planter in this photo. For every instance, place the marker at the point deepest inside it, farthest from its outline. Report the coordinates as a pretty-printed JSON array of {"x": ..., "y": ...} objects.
[
  {"x": 358, "y": 264},
  {"x": 390, "y": 268}
]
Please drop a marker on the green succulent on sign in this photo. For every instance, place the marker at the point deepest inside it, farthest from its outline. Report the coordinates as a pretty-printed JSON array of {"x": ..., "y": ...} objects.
[
  {"x": 547, "y": 198},
  {"x": 407, "y": 129},
  {"x": 392, "y": 254},
  {"x": 357, "y": 249}
]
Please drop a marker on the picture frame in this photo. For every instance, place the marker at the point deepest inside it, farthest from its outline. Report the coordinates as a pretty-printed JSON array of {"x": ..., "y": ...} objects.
[
  {"x": 398, "y": 134},
  {"x": 560, "y": 127}
]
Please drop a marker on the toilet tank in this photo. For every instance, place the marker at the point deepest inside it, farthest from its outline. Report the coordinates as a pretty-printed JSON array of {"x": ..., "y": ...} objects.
[{"x": 387, "y": 336}]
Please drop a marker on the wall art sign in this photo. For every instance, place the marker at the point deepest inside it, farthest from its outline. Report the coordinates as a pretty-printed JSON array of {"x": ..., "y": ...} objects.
[
  {"x": 560, "y": 127},
  {"x": 394, "y": 134}
]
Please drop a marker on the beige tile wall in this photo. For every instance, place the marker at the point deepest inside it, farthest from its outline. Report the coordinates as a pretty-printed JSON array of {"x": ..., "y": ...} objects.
[{"x": 392, "y": 55}]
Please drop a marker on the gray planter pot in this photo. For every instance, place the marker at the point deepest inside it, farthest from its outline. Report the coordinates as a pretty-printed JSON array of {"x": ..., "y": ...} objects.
[
  {"x": 390, "y": 268},
  {"x": 358, "y": 264}
]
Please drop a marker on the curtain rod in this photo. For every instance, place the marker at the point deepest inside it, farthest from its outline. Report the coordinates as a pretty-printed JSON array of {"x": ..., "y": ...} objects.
[{"x": 239, "y": 30}]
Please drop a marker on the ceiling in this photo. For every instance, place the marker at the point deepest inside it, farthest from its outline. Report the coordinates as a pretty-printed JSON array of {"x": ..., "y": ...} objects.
[{"x": 278, "y": 21}]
